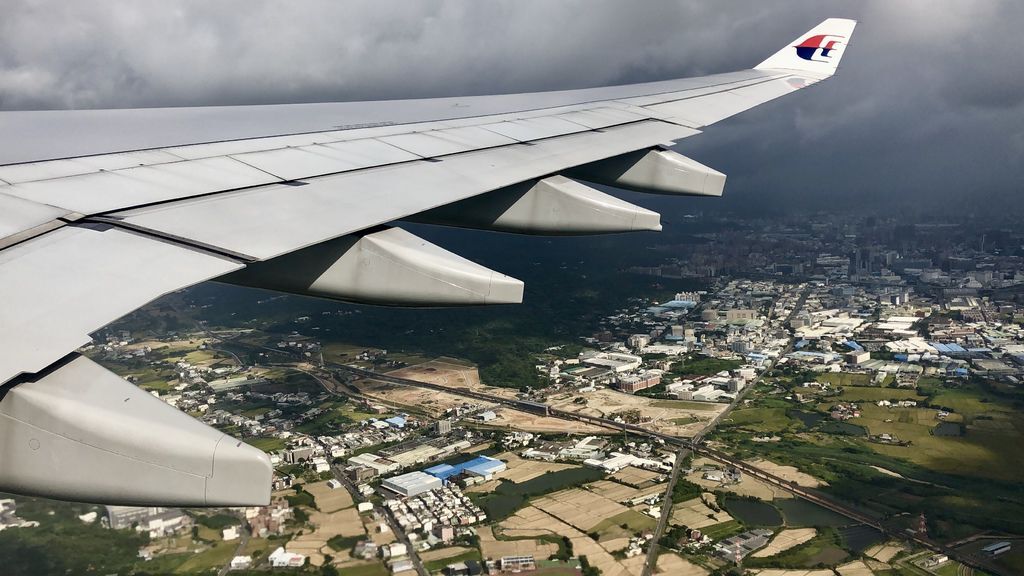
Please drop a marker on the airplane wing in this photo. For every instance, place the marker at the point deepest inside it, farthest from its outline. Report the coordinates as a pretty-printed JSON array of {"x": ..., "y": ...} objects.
[{"x": 104, "y": 211}]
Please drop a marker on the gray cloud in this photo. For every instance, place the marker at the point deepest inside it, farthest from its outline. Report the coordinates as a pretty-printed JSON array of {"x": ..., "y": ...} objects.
[{"x": 928, "y": 102}]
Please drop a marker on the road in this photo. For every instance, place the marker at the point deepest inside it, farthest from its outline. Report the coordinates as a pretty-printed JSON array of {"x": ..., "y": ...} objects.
[
  {"x": 391, "y": 520},
  {"x": 684, "y": 451},
  {"x": 686, "y": 445},
  {"x": 243, "y": 540},
  {"x": 666, "y": 512}
]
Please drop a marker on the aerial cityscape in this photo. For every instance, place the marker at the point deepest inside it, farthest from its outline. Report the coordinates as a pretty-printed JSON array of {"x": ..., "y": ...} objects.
[
  {"x": 832, "y": 395},
  {"x": 575, "y": 288}
]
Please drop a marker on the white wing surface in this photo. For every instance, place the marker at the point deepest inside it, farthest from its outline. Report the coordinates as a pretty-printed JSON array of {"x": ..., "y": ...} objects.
[{"x": 103, "y": 211}]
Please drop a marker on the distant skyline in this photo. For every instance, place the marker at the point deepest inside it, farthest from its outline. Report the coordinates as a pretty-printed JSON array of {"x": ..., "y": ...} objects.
[{"x": 928, "y": 105}]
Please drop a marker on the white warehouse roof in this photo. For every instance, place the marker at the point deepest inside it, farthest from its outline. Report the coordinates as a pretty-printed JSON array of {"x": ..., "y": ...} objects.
[{"x": 412, "y": 483}]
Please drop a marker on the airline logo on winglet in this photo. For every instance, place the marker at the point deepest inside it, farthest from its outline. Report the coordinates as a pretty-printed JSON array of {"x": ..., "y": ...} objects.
[{"x": 809, "y": 47}]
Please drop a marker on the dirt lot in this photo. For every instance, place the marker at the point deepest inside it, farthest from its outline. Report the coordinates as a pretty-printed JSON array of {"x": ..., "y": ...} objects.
[
  {"x": 676, "y": 565},
  {"x": 533, "y": 521},
  {"x": 579, "y": 508},
  {"x": 747, "y": 486},
  {"x": 524, "y": 421},
  {"x": 855, "y": 568},
  {"x": 785, "y": 540},
  {"x": 695, "y": 514},
  {"x": 638, "y": 477},
  {"x": 884, "y": 552},
  {"x": 430, "y": 401},
  {"x": 328, "y": 500},
  {"x": 787, "y": 472},
  {"x": 446, "y": 372},
  {"x": 314, "y": 544},
  {"x": 797, "y": 572},
  {"x": 622, "y": 494},
  {"x": 493, "y": 548},
  {"x": 657, "y": 415}
]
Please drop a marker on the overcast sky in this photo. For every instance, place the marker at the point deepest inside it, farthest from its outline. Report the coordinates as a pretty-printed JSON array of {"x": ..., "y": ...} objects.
[{"x": 928, "y": 103}]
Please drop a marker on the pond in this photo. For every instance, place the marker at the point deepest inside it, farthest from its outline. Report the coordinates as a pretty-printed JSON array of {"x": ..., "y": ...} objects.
[
  {"x": 948, "y": 429},
  {"x": 809, "y": 419},
  {"x": 753, "y": 512},
  {"x": 860, "y": 537},
  {"x": 844, "y": 428},
  {"x": 798, "y": 512}
]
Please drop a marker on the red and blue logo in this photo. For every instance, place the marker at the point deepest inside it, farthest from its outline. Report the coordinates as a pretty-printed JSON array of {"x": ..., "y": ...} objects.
[{"x": 809, "y": 48}]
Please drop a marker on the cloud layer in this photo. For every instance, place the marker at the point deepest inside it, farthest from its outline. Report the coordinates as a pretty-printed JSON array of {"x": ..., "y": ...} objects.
[{"x": 928, "y": 102}]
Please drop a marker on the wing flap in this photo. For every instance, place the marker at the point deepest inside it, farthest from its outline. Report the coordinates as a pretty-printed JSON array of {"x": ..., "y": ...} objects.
[
  {"x": 320, "y": 159},
  {"x": 61, "y": 286},
  {"x": 100, "y": 192},
  {"x": 20, "y": 215}
]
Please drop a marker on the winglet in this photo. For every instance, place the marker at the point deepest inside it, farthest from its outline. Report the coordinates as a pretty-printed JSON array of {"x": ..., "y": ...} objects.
[{"x": 818, "y": 50}]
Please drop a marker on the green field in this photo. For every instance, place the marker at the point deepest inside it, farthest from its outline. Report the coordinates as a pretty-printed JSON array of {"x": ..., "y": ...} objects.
[
  {"x": 150, "y": 378},
  {"x": 440, "y": 563},
  {"x": 266, "y": 444},
  {"x": 868, "y": 394},
  {"x": 220, "y": 554},
  {"x": 844, "y": 379},
  {"x": 372, "y": 569},
  {"x": 760, "y": 419},
  {"x": 633, "y": 521},
  {"x": 825, "y": 548},
  {"x": 989, "y": 453},
  {"x": 722, "y": 530},
  {"x": 702, "y": 366}
]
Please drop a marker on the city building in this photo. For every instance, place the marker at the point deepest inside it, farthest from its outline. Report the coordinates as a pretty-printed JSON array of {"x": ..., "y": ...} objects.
[
  {"x": 615, "y": 361},
  {"x": 632, "y": 383},
  {"x": 479, "y": 466},
  {"x": 517, "y": 563},
  {"x": 280, "y": 558},
  {"x": 411, "y": 484}
]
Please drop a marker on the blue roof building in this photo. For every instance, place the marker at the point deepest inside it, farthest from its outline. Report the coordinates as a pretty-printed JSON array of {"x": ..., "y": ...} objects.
[
  {"x": 485, "y": 466},
  {"x": 442, "y": 471},
  {"x": 395, "y": 422},
  {"x": 479, "y": 466}
]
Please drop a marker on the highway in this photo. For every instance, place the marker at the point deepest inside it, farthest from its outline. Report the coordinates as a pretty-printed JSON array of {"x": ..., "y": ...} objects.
[
  {"x": 685, "y": 445},
  {"x": 666, "y": 511}
]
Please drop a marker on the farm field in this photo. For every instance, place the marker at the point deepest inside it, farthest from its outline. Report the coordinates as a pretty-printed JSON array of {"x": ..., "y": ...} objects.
[
  {"x": 534, "y": 522},
  {"x": 676, "y": 565},
  {"x": 696, "y": 514},
  {"x": 675, "y": 417},
  {"x": 785, "y": 540},
  {"x": 990, "y": 450}
]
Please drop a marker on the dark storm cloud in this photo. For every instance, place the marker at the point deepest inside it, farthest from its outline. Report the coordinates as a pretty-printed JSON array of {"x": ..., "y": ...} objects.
[{"x": 927, "y": 105}]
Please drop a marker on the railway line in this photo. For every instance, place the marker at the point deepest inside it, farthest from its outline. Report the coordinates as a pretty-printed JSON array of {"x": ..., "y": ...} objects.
[{"x": 695, "y": 445}]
